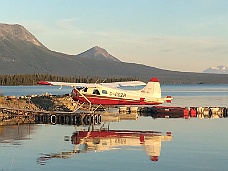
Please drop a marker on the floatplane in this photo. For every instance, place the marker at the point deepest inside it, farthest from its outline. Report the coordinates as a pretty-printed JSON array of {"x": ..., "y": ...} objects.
[{"x": 115, "y": 93}]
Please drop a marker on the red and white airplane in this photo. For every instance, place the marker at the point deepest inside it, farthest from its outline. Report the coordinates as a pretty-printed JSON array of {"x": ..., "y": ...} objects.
[{"x": 114, "y": 93}]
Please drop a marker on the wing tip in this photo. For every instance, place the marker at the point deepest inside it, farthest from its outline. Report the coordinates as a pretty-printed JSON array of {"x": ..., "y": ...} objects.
[{"x": 44, "y": 83}]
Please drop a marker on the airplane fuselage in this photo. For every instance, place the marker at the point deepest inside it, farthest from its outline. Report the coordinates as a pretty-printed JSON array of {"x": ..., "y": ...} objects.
[{"x": 112, "y": 96}]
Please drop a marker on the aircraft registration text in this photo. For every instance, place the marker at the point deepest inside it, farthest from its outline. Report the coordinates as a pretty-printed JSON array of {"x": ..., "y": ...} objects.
[{"x": 116, "y": 94}]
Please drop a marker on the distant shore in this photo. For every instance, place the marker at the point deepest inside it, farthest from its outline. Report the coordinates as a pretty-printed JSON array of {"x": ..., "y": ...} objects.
[{"x": 32, "y": 79}]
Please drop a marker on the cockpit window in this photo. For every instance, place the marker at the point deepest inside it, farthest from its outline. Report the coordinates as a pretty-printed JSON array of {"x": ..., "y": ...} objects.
[
  {"x": 96, "y": 91},
  {"x": 85, "y": 89},
  {"x": 104, "y": 92}
]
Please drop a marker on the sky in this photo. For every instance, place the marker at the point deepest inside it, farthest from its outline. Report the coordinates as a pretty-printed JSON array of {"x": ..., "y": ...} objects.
[{"x": 178, "y": 35}]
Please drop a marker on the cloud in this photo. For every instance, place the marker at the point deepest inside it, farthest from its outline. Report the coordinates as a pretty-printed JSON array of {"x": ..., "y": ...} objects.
[
  {"x": 36, "y": 27},
  {"x": 68, "y": 25},
  {"x": 176, "y": 53}
]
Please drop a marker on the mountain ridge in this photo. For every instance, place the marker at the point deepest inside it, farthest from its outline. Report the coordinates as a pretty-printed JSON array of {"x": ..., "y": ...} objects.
[
  {"x": 17, "y": 32},
  {"x": 20, "y": 55}
]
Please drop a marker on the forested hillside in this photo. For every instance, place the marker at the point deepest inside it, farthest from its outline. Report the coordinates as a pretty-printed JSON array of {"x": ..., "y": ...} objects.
[{"x": 12, "y": 80}]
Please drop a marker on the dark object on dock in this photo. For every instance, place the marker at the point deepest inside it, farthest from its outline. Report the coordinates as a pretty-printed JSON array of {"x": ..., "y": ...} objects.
[{"x": 169, "y": 112}]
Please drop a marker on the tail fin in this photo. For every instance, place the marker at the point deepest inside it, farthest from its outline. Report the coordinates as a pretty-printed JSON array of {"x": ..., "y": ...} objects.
[{"x": 153, "y": 87}]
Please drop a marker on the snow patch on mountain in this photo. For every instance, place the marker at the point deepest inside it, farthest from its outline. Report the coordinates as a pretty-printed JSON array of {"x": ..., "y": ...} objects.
[{"x": 221, "y": 69}]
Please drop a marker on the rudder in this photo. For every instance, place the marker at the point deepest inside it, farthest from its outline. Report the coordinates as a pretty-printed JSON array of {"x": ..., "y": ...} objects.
[{"x": 153, "y": 87}]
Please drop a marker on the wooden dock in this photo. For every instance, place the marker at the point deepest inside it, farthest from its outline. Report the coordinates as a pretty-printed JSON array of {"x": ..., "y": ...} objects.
[
  {"x": 16, "y": 116},
  {"x": 9, "y": 116}
]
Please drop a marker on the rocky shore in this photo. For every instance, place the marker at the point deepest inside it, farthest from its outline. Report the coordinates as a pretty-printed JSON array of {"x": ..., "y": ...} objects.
[{"x": 44, "y": 102}]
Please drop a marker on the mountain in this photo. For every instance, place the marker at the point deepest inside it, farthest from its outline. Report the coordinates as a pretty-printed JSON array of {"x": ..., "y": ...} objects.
[
  {"x": 217, "y": 70},
  {"x": 17, "y": 32},
  {"x": 22, "y": 53},
  {"x": 98, "y": 54}
]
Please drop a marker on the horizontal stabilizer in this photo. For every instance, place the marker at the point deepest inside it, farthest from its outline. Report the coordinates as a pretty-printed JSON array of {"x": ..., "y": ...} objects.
[{"x": 168, "y": 99}]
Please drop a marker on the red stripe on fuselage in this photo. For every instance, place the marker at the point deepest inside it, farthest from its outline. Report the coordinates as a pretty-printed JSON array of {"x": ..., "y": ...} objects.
[{"x": 112, "y": 101}]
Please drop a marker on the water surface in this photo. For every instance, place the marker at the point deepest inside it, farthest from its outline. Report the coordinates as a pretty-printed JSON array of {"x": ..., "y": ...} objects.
[{"x": 196, "y": 144}]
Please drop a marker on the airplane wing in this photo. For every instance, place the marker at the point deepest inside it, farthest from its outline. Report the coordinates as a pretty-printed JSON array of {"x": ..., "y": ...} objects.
[
  {"x": 51, "y": 83},
  {"x": 113, "y": 84},
  {"x": 124, "y": 84}
]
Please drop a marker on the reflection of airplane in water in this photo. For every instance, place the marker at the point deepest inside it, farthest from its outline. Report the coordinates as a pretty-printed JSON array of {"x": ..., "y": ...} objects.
[{"x": 102, "y": 140}]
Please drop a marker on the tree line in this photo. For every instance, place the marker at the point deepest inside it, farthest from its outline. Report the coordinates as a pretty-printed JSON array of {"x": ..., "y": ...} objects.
[{"x": 32, "y": 79}]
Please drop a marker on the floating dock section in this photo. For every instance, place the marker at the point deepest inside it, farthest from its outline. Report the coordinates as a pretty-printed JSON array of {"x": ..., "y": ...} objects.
[{"x": 178, "y": 112}]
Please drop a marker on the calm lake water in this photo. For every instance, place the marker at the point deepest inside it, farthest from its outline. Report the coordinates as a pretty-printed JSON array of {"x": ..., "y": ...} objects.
[{"x": 195, "y": 144}]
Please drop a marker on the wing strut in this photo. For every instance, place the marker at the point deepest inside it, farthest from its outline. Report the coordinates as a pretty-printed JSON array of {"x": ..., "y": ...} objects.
[
  {"x": 84, "y": 98},
  {"x": 79, "y": 107}
]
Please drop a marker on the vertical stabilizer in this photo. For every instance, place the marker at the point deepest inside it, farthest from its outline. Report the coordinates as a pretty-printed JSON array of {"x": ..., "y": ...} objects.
[{"x": 153, "y": 88}]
